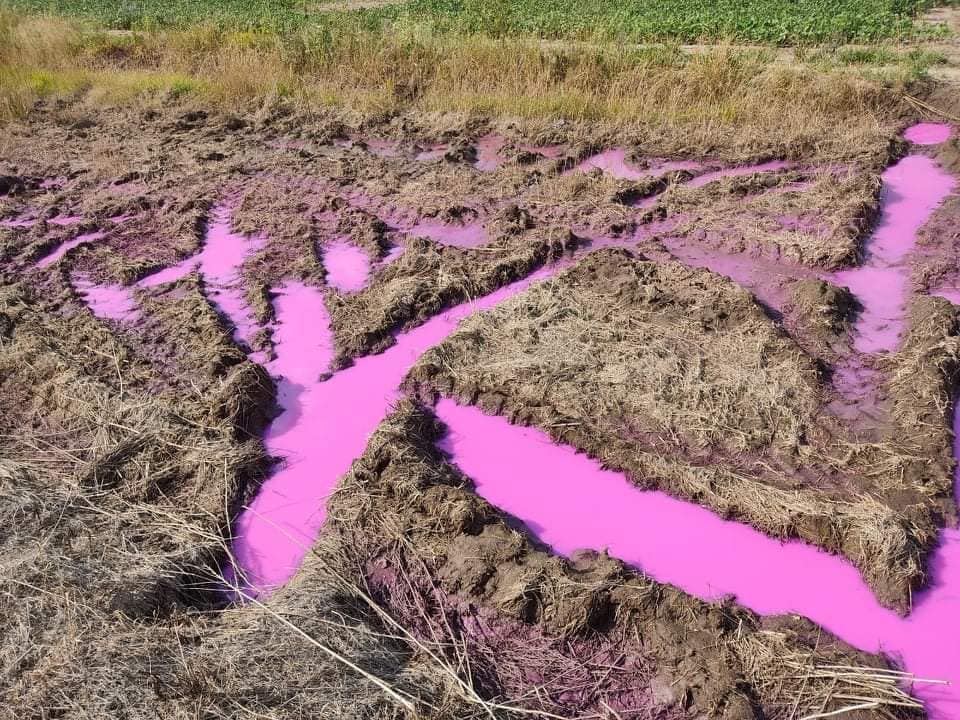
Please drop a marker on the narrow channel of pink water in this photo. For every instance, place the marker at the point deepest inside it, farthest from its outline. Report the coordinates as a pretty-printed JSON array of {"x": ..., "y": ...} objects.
[
  {"x": 324, "y": 425},
  {"x": 710, "y": 177},
  {"x": 19, "y": 222},
  {"x": 553, "y": 152},
  {"x": 912, "y": 189},
  {"x": 614, "y": 162},
  {"x": 569, "y": 502},
  {"x": 383, "y": 148},
  {"x": 170, "y": 274},
  {"x": 220, "y": 261},
  {"x": 64, "y": 248},
  {"x": 432, "y": 152},
  {"x": 347, "y": 266},
  {"x": 65, "y": 220},
  {"x": 108, "y": 302}
]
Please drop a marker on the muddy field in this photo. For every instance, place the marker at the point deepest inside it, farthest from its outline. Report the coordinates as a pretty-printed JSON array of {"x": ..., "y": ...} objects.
[{"x": 303, "y": 417}]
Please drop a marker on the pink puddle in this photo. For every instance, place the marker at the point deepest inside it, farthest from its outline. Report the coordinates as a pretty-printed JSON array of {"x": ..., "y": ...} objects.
[
  {"x": 614, "y": 162},
  {"x": 432, "y": 152},
  {"x": 65, "y": 220},
  {"x": 569, "y": 502},
  {"x": 553, "y": 152},
  {"x": 883, "y": 293},
  {"x": 324, "y": 426},
  {"x": 64, "y": 248},
  {"x": 383, "y": 148},
  {"x": 348, "y": 267},
  {"x": 488, "y": 153},
  {"x": 169, "y": 274},
  {"x": 928, "y": 133},
  {"x": 764, "y": 277},
  {"x": 950, "y": 293},
  {"x": 912, "y": 189},
  {"x": 28, "y": 220},
  {"x": 470, "y": 235},
  {"x": 108, "y": 302},
  {"x": 21, "y": 221},
  {"x": 710, "y": 177}
]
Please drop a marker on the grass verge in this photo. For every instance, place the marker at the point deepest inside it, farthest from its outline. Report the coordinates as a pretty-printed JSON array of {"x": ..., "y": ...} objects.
[{"x": 704, "y": 98}]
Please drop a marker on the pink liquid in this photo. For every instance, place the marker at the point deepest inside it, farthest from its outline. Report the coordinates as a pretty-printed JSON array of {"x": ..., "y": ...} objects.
[
  {"x": 614, "y": 162},
  {"x": 222, "y": 255},
  {"x": 64, "y": 248},
  {"x": 432, "y": 152},
  {"x": 219, "y": 262},
  {"x": 928, "y": 133},
  {"x": 383, "y": 148},
  {"x": 19, "y": 222},
  {"x": 323, "y": 427},
  {"x": 552, "y": 152},
  {"x": 108, "y": 302},
  {"x": 709, "y": 177},
  {"x": 488, "y": 153},
  {"x": 469, "y": 235},
  {"x": 170, "y": 274},
  {"x": 569, "y": 502},
  {"x": 348, "y": 267},
  {"x": 912, "y": 189}
]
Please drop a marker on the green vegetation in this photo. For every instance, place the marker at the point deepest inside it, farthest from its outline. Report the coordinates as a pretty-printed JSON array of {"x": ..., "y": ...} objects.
[{"x": 760, "y": 21}]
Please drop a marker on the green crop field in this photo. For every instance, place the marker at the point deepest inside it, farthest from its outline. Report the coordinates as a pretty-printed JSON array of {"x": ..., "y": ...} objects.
[{"x": 760, "y": 21}]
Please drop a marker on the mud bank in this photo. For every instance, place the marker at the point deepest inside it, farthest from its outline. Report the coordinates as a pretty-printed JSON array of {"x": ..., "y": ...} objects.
[{"x": 464, "y": 572}]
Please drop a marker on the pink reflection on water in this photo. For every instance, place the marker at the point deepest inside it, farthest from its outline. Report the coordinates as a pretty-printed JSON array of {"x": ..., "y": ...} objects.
[
  {"x": 569, "y": 502},
  {"x": 64, "y": 248},
  {"x": 324, "y": 425},
  {"x": 347, "y": 266},
  {"x": 108, "y": 302}
]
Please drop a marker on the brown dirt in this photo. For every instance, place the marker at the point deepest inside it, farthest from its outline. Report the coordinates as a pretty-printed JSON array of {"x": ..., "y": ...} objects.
[{"x": 630, "y": 362}]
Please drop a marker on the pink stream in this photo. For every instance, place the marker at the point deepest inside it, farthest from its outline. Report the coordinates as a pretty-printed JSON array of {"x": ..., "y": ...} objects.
[
  {"x": 565, "y": 498},
  {"x": 323, "y": 426}
]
